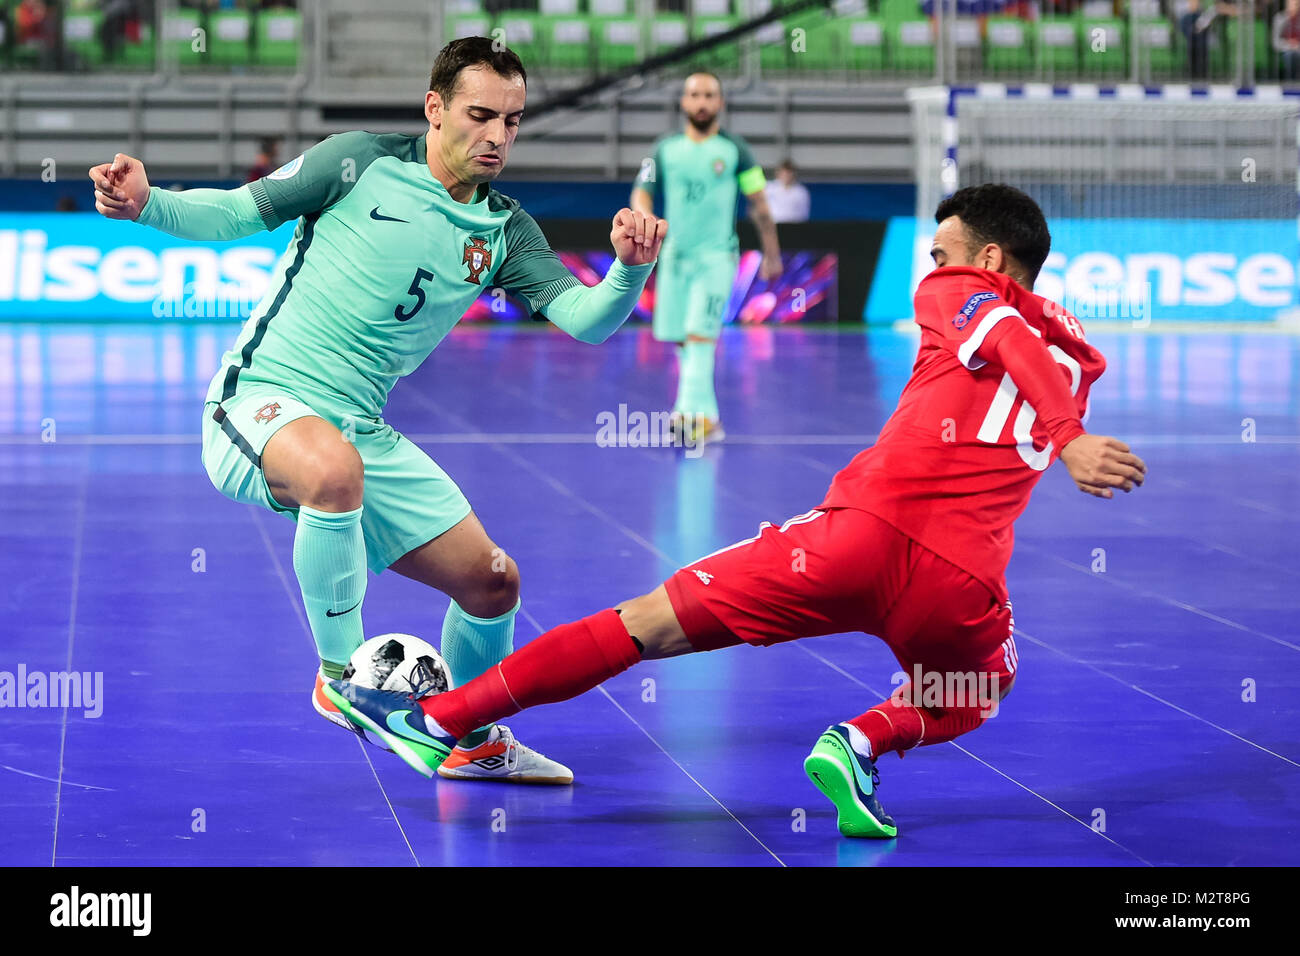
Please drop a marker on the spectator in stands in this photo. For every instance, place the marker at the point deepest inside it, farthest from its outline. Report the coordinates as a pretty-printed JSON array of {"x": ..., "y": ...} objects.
[
  {"x": 1286, "y": 39},
  {"x": 117, "y": 14},
  {"x": 787, "y": 197},
  {"x": 1195, "y": 26},
  {"x": 268, "y": 160},
  {"x": 34, "y": 29}
]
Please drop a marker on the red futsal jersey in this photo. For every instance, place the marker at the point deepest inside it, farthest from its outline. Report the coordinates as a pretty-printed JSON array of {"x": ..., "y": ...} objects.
[{"x": 955, "y": 463}]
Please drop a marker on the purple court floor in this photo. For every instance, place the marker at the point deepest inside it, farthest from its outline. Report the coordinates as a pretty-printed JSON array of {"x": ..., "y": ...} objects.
[{"x": 1155, "y": 719}]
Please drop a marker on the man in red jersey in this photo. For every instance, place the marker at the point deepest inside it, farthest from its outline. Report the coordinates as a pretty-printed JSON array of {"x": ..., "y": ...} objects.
[{"x": 911, "y": 542}]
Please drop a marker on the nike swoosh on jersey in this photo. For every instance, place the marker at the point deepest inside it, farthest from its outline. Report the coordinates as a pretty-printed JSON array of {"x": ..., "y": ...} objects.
[
  {"x": 376, "y": 215},
  {"x": 341, "y": 613}
]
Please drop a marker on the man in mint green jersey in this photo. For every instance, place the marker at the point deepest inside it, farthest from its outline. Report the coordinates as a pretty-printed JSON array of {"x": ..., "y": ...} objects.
[
  {"x": 697, "y": 175},
  {"x": 396, "y": 236}
]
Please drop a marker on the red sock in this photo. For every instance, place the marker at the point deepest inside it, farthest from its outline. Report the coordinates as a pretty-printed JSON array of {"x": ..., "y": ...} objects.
[
  {"x": 898, "y": 724},
  {"x": 564, "y": 662}
]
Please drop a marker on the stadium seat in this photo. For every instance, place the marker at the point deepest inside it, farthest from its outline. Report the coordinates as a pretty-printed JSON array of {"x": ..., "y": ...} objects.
[
  {"x": 568, "y": 42},
  {"x": 230, "y": 33},
  {"x": 725, "y": 56},
  {"x": 821, "y": 42},
  {"x": 178, "y": 28},
  {"x": 608, "y": 8},
  {"x": 1007, "y": 45},
  {"x": 900, "y": 11},
  {"x": 558, "y": 8},
  {"x": 617, "y": 39},
  {"x": 667, "y": 31},
  {"x": 774, "y": 53},
  {"x": 1102, "y": 47},
  {"x": 1266, "y": 68},
  {"x": 1056, "y": 45},
  {"x": 911, "y": 46},
  {"x": 468, "y": 25},
  {"x": 712, "y": 8},
  {"x": 1156, "y": 47},
  {"x": 82, "y": 37},
  {"x": 861, "y": 43},
  {"x": 522, "y": 35},
  {"x": 139, "y": 54},
  {"x": 279, "y": 38}
]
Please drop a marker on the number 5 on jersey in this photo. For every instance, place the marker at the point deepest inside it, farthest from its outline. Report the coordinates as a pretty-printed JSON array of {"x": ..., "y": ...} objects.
[{"x": 416, "y": 289}]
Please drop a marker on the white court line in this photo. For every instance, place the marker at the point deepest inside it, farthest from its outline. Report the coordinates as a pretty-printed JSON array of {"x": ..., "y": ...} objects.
[
  {"x": 564, "y": 490},
  {"x": 1083, "y": 823},
  {"x": 533, "y": 621},
  {"x": 1144, "y": 593},
  {"x": 72, "y": 630},
  {"x": 302, "y": 618},
  {"x": 589, "y": 438},
  {"x": 599, "y": 513},
  {"x": 1141, "y": 690},
  {"x": 65, "y": 783}
]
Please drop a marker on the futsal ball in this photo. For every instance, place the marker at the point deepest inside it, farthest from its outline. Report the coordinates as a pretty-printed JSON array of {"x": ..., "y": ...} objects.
[{"x": 400, "y": 662}]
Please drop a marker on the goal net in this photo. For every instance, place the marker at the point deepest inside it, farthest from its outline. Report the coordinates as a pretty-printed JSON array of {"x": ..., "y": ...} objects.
[{"x": 1164, "y": 205}]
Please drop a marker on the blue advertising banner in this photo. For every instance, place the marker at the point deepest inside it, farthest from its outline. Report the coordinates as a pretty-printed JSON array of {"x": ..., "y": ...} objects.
[
  {"x": 82, "y": 267},
  {"x": 1143, "y": 270}
]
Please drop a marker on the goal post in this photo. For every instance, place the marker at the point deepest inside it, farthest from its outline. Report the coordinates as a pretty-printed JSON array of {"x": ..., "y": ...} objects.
[{"x": 1168, "y": 204}]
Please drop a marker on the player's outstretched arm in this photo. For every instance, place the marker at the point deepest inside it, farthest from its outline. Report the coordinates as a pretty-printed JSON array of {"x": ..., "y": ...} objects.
[
  {"x": 1099, "y": 463},
  {"x": 122, "y": 191},
  {"x": 121, "y": 187},
  {"x": 592, "y": 314}
]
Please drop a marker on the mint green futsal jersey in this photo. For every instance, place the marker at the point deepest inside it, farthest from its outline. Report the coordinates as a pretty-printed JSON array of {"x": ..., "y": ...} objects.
[
  {"x": 697, "y": 185},
  {"x": 381, "y": 266}
]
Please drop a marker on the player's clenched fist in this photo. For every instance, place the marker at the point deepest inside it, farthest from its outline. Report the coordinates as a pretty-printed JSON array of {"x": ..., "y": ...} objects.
[
  {"x": 637, "y": 237},
  {"x": 121, "y": 187},
  {"x": 1098, "y": 463}
]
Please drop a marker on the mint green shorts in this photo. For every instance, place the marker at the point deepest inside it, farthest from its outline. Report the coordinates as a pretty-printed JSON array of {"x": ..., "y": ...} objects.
[
  {"x": 407, "y": 501},
  {"x": 691, "y": 293}
]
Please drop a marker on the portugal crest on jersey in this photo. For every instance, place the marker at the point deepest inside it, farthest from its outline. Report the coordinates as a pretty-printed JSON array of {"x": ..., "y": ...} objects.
[
  {"x": 267, "y": 412},
  {"x": 718, "y": 167},
  {"x": 477, "y": 257}
]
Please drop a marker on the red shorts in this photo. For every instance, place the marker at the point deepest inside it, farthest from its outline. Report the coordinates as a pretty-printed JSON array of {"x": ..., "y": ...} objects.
[{"x": 838, "y": 570}]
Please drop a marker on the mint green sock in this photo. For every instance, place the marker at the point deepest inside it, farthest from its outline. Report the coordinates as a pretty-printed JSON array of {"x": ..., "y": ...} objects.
[
  {"x": 329, "y": 557},
  {"x": 470, "y": 645},
  {"x": 695, "y": 395}
]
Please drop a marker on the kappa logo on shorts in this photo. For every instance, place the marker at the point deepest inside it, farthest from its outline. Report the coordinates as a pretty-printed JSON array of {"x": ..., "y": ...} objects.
[
  {"x": 267, "y": 412},
  {"x": 478, "y": 257},
  {"x": 972, "y": 304},
  {"x": 704, "y": 576}
]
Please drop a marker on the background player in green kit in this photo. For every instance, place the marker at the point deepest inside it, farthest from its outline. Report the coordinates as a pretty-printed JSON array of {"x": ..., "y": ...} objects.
[
  {"x": 396, "y": 237},
  {"x": 697, "y": 175}
]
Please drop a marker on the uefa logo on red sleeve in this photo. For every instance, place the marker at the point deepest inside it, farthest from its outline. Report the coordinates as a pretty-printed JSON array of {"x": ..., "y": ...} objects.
[{"x": 972, "y": 305}]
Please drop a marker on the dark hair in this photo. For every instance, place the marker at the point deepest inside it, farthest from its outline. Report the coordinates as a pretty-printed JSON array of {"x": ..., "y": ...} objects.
[
  {"x": 468, "y": 52},
  {"x": 1001, "y": 214}
]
